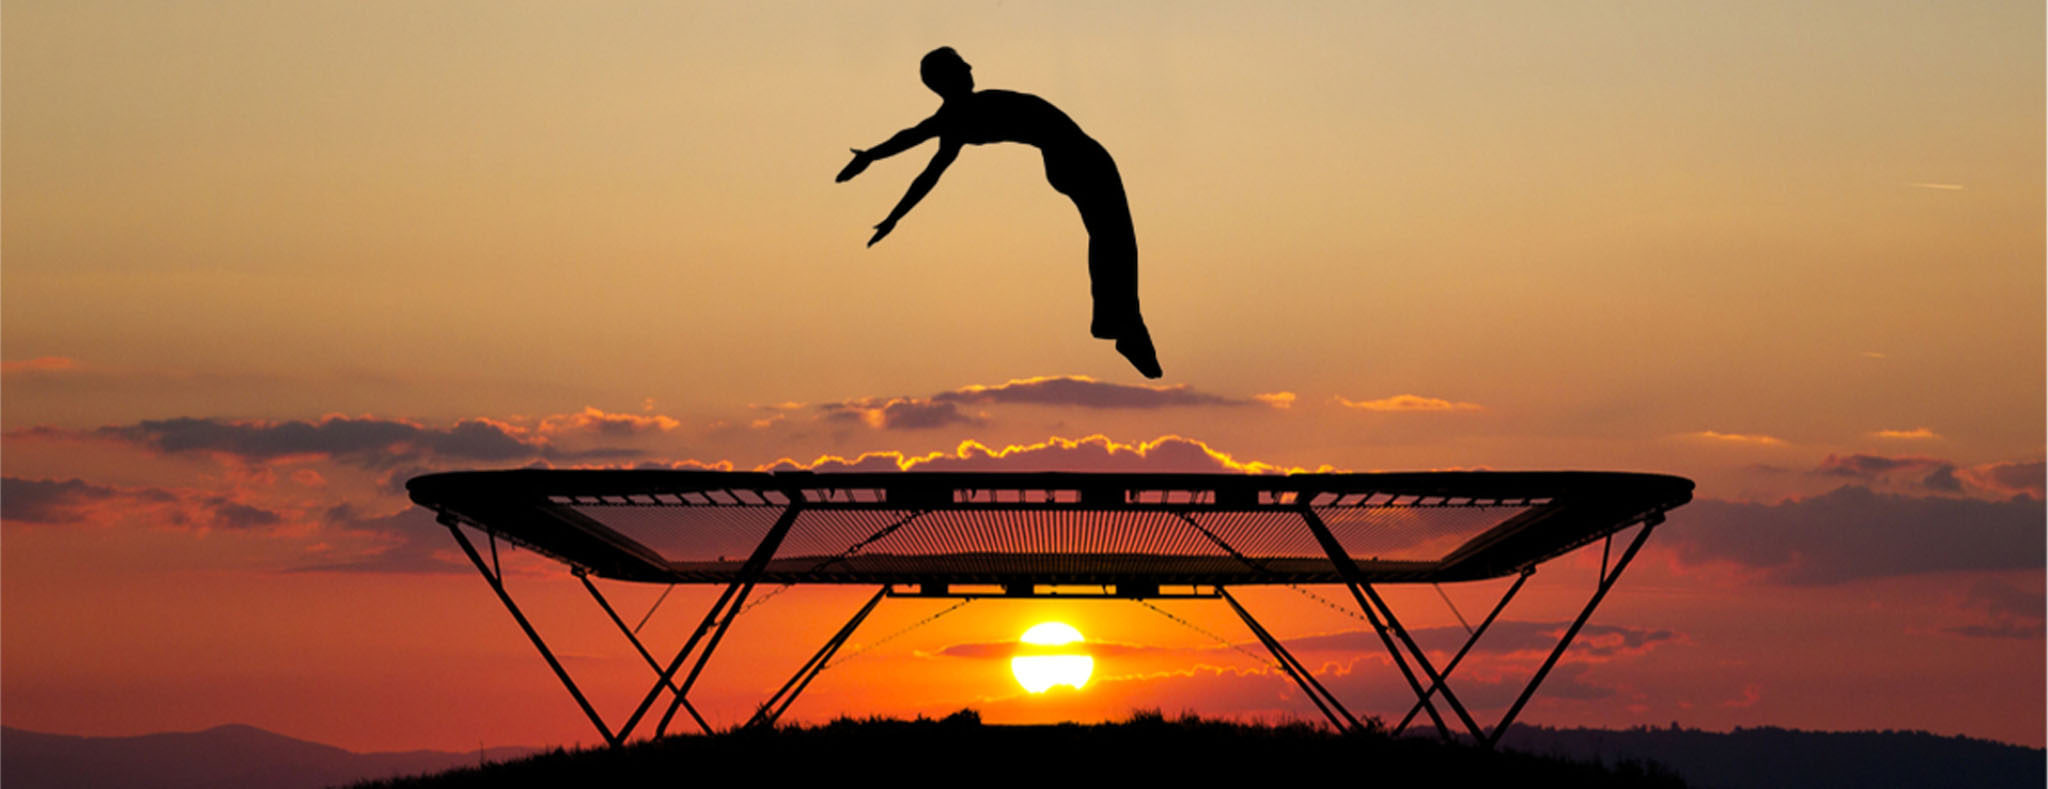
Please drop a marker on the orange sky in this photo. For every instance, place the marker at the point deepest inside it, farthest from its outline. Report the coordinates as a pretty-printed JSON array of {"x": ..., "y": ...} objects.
[{"x": 261, "y": 263}]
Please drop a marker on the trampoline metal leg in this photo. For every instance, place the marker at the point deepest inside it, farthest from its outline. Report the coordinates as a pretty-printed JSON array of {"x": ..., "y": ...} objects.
[
  {"x": 1469, "y": 641},
  {"x": 623, "y": 629},
  {"x": 772, "y": 709},
  {"x": 725, "y": 604},
  {"x": 498, "y": 585},
  {"x": 1436, "y": 679},
  {"x": 1309, "y": 685},
  {"x": 749, "y": 573},
  {"x": 1606, "y": 583},
  {"x": 661, "y": 680},
  {"x": 1368, "y": 599}
]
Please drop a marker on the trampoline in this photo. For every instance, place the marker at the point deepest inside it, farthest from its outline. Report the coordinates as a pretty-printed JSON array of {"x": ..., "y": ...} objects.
[{"x": 971, "y": 535}]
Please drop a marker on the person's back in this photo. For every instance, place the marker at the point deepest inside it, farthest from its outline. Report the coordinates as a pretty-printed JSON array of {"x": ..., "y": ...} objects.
[
  {"x": 1075, "y": 164},
  {"x": 991, "y": 116}
]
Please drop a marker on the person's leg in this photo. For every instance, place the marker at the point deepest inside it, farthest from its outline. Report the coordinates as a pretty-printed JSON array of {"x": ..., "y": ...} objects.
[
  {"x": 1113, "y": 280},
  {"x": 1098, "y": 193},
  {"x": 1112, "y": 254}
]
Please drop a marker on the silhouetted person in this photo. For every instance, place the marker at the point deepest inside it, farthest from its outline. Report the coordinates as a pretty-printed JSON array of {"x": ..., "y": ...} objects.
[{"x": 1075, "y": 164}]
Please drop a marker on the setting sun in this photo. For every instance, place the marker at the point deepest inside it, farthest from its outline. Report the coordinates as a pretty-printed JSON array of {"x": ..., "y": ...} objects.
[{"x": 1046, "y": 658}]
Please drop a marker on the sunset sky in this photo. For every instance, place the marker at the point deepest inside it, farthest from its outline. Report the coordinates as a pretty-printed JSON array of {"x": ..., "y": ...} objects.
[{"x": 263, "y": 262}]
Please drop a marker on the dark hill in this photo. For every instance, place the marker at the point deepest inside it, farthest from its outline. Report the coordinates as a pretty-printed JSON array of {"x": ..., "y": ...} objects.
[
  {"x": 1147, "y": 750},
  {"x": 1771, "y": 756},
  {"x": 224, "y": 757}
]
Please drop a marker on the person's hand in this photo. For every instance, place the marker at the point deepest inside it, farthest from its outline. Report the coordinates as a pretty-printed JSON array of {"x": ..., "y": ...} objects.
[
  {"x": 853, "y": 168},
  {"x": 882, "y": 230}
]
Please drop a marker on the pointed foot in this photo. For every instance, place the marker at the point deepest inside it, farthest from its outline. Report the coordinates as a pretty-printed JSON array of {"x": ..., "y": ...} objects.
[{"x": 1136, "y": 346}]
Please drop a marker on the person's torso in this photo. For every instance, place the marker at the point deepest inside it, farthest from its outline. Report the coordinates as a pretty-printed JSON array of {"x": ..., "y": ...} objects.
[{"x": 992, "y": 116}]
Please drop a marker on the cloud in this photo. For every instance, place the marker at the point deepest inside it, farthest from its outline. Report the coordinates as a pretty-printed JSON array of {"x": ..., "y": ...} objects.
[
  {"x": 945, "y": 408},
  {"x": 1281, "y": 400},
  {"x": 1936, "y": 186},
  {"x": 1409, "y": 402},
  {"x": 1911, "y": 435},
  {"x": 48, "y": 501},
  {"x": 595, "y": 421},
  {"x": 40, "y": 364},
  {"x": 1873, "y": 466},
  {"x": 1004, "y": 650},
  {"x": 2014, "y": 612},
  {"x": 1925, "y": 472},
  {"x": 1757, "y": 439},
  {"x": 1751, "y": 694},
  {"x": 363, "y": 441},
  {"x": 1367, "y": 684},
  {"x": 1093, "y": 453},
  {"x": 1084, "y": 392},
  {"x": 1854, "y": 533},
  {"x": 2009, "y": 478},
  {"x": 222, "y": 512},
  {"x": 75, "y": 501},
  {"x": 408, "y": 541},
  {"x": 777, "y": 413},
  {"x": 1505, "y": 637},
  {"x": 898, "y": 414},
  {"x": 686, "y": 465}
]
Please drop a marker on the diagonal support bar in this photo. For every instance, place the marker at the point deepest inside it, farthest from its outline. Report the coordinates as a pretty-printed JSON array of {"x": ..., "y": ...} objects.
[
  {"x": 1354, "y": 579},
  {"x": 632, "y": 635},
  {"x": 667, "y": 678},
  {"x": 749, "y": 573},
  {"x": 1469, "y": 641},
  {"x": 623, "y": 629},
  {"x": 726, "y": 604},
  {"x": 1606, "y": 583},
  {"x": 1301, "y": 675},
  {"x": 772, "y": 709},
  {"x": 498, "y": 585}
]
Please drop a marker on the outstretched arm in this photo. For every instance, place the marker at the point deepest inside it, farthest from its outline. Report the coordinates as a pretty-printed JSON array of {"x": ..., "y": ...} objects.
[
  {"x": 918, "y": 188},
  {"x": 897, "y": 143}
]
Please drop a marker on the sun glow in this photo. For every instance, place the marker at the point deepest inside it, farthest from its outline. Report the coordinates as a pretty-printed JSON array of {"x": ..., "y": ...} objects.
[
  {"x": 1051, "y": 634},
  {"x": 1038, "y": 671}
]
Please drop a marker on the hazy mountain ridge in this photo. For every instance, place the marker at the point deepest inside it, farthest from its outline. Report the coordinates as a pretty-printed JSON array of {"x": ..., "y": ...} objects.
[
  {"x": 1773, "y": 756},
  {"x": 234, "y": 756}
]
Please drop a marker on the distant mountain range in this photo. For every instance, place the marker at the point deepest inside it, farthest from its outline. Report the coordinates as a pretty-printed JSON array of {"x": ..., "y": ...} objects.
[
  {"x": 224, "y": 757},
  {"x": 1771, "y": 756},
  {"x": 234, "y": 757}
]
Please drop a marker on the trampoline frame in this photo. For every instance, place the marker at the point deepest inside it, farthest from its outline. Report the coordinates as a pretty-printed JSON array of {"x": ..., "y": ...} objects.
[{"x": 1562, "y": 512}]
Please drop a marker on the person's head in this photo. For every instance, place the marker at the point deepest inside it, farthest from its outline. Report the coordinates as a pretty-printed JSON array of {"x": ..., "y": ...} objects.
[{"x": 946, "y": 74}]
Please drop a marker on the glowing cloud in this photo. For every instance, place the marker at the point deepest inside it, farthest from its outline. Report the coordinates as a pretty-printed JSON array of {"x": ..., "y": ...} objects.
[
  {"x": 593, "y": 420},
  {"x": 1409, "y": 402},
  {"x": 1092, "y": 453},
  {"x": 1756, "y": 439},
  {"x": 1062, "y": 391},
  {"x": 1915, "y": 433},
  {"x": 1276, "y": 399}
]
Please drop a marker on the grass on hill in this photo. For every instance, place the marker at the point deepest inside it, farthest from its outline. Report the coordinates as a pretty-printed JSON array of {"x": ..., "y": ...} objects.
[{"x": 959, "y": 749}]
